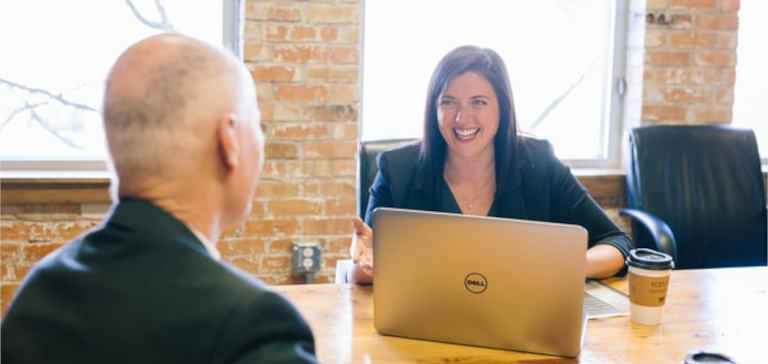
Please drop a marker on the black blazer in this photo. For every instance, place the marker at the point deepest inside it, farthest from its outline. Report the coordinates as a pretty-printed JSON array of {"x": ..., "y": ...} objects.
[
  {"x": 142, "y": 289},
  {"x": 543, "y": 190}
]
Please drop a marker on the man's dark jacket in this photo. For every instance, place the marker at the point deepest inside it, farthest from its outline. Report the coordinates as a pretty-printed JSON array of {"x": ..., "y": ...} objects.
[{"x": 143, "y": 289}]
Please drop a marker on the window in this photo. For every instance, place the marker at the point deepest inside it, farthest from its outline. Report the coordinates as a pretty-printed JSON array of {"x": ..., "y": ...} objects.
[
  {"x": 563, "y": 57},
  {"x": 750, "y": 109},
  {"x": 51, "y": 86}
]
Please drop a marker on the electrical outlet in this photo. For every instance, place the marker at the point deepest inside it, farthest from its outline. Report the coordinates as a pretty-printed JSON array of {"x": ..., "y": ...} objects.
[{"x": 306, "y": 258}]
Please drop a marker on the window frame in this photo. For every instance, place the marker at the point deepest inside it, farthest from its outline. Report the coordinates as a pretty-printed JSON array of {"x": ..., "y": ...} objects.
[
  {"x": 233, "y": 13},
  {"x": 615, "y": 128}
]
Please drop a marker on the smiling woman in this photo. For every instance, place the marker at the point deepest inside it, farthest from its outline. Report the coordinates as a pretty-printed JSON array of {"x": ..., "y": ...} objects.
[{"x": 472, "y": 161}]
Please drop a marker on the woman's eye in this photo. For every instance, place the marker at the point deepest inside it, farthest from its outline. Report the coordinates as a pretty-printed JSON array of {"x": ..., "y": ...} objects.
[
  {"x": 447, "y": 102},
  {"x": 479, "y": 102}
]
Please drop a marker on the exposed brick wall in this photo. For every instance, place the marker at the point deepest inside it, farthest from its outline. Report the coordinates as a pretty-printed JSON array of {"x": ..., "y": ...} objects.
[
  {"x": 305, "y": 60},
  {"x": 690, "y": 59}
]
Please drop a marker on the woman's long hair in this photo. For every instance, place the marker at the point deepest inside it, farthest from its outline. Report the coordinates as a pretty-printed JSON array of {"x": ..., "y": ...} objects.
[{"x": 488, "y": 64}]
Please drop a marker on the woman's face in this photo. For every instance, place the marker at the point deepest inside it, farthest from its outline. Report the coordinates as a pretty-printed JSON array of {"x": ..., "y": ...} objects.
[{"x": 468, "y": 115}]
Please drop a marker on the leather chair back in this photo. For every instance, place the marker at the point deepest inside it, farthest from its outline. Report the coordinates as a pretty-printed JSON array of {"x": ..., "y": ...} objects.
[
  {"x": 369, "y": 151},
  {"x": 705, "y": 182}
]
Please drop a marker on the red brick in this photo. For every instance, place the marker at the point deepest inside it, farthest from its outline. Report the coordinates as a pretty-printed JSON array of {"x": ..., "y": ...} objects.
[
  {"x": 252, "y": 32},
  {"x": 346, "y": 131},
  {"x": 730, "y": 5},
  {"x": 284, "y": 14},
  {"x": 284, "y": 246},
  {"x": 294, "y": 207},
  {"x": 663, "y": 113},
  {"x": 665, "y": 58},
  {"x": 657, "y": 4},
  {"x": 344, "y": 55},
  {"x": 655, "y": 38},
  {"x": 693, "y": 4},
  {"x": 346, "y": 206},
  {"x": 7, "y": 291},
  {"x": 344, "y": 93},
  {"x": 330, "y": 189},
  {"x": 680, "y": 95},
  {"x": 272, "y": 189},
  {"x": 329, "y": 33},
  {"x": 338, "y": 245},
  {"x": 255, "y": 11},
  {"x": 714, "y": 115},
  {"x": 286, "y": 169},
  {"x": 682, "y": 39},
  {"x": 274, "y": 73},
  {"x": 255, "y": 52},
  {"x": 724, "y": 95},
  {"x": 287, "y": 112},
  {"x": 333, "y": 14},
  {"x": 300, "y": 54},
  {"x": 327, "y": 226},
  {"x": 343, "y": 168},
  {"x": 271, "y": 227},
  {"x": 248, "y": 264},
  {"x": 257, "y": 208},
  {"x": 322, "y": 168},
  {"x": 241, "y": 247},
  {"x": 301, "y": 131},
  {"x": 275, "y": 264},
  {"x": 302, "y": 93},
  {"x": 33, "y": 252},
  {"x": 350, "y": 34},
  {"x": 267, "y": 110},
  {"x": 333, "y": 74},
  {"x": 276, "y": 32},
  {"x": 717, "y": 21},
  {"x": 303, "y": 33},
  {"x": 281, "y": 150},
  {"x": 680, "y": 21},
  {"x": 322, "y": 150},
  {"x": 65, "y": 209},
  {"x": 331, "y": 113},
  {"x": 716, "y": 58}
]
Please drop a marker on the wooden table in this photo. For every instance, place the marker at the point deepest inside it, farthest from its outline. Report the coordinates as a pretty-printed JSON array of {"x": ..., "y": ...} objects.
[{"x": 716, "y": 309}]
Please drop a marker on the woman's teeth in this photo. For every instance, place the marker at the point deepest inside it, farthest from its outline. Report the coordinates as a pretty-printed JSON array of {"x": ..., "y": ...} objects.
[{"x": 466, "y": 133}]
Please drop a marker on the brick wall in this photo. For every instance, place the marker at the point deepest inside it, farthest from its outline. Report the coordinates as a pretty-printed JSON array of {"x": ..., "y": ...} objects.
[
  {"x": 305, "y": 60},
  {"x": 690, "y": 59}
]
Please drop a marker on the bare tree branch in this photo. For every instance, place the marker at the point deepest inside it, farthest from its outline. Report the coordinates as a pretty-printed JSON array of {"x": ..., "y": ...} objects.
[
  {"x": 60, "y": 98},
  {"x": 164, "y": 24},
  {"x": 27, "y": 106},
  {"x": 553, "y": 105},
  {"x": 51, "y": 130}
]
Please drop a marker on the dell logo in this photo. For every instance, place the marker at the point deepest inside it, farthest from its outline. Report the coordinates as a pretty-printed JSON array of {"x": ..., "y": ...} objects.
[{"x": 475, "y": 283}]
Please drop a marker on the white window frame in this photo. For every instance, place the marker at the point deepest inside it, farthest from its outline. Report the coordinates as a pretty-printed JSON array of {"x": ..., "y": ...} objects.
[
  {"x": 615, "y": 128},
  {"x": 233, "y": 22}
]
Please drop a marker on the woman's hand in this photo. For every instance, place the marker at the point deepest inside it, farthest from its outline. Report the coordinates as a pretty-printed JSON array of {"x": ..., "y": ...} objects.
[{"x": 362, "y": 252}]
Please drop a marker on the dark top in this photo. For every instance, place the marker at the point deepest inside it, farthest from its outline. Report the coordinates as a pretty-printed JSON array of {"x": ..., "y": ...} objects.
[
  {"x": 544, "y": 190},
  {"x": 141, "y": 288}
]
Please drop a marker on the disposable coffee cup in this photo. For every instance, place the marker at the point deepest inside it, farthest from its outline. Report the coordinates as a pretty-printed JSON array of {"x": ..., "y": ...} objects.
[{"x": 649, "y": 273}]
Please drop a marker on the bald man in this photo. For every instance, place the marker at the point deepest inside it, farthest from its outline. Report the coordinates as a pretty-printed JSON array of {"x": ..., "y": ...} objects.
[{"x": 182, "y": 125}]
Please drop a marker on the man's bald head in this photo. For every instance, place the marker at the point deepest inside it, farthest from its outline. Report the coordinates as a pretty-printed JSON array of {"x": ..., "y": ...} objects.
[{"x": 162, "y": 98}]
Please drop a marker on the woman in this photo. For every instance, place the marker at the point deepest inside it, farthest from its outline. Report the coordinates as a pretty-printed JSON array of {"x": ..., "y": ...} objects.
[{"x": 472, "y": 161}]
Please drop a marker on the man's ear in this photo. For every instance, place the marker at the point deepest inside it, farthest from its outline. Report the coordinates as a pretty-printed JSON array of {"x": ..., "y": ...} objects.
[{"x": 229, "y": 147}]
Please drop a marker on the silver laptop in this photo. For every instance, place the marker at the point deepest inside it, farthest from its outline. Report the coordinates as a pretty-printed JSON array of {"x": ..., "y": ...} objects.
[{"x": 484, "y": 281}]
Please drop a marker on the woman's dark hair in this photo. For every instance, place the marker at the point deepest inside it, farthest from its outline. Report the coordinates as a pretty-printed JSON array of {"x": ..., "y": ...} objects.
[{"x": 488, "y": 64}]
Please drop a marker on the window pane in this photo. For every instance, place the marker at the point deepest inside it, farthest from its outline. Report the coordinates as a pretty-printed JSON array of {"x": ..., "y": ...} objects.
[
  {"x": 51, "y": 86},
  {"x": 750, "y": 109},
  {"x": 558, "y": 54}
]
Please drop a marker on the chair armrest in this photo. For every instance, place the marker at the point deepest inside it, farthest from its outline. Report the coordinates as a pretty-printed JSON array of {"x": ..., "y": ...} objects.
[
  {"x": 662, "y": 235},
  {"x": 344, "y": 271}
]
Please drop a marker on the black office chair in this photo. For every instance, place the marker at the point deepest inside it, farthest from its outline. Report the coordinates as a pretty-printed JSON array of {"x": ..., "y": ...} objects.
[
  {"x": 368, "y": 152},
  {"x": 696, "y": 193}
]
